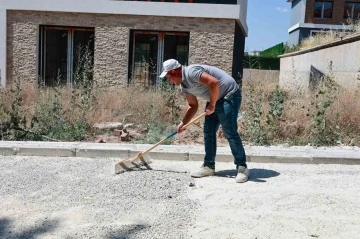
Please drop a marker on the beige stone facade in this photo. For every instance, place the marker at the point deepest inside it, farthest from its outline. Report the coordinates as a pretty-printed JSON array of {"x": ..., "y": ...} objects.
[{"x": 211, "y": 41}]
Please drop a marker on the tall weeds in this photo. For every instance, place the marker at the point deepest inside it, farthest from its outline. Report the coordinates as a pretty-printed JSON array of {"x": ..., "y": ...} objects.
[
  {"x": 327, "y": 117},
  {"x": 330, "y": 116},
  {"x": 47, "y": 115},
  {"x": 351, "y": 27}
]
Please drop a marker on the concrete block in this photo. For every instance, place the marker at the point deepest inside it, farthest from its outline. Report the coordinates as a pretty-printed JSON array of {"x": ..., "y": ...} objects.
[
  {"x": 133, "y": 153},
  {"x": 224, "y": 158},
  {"x": 7, "y": 151},
  {"x": 219, "y": 157},
  {"x": 106, "y": 153},
  {"x": 196, "y": 157},
  {"x": 169, "y": 156},
  {"x": 337, "y": 160},
  {"x": 279, "y": 159},
  {"x": 38, "y": 151}
]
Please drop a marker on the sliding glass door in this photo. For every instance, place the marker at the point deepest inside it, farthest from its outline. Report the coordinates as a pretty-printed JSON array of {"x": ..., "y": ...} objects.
[{"x": 150, "y": 49}]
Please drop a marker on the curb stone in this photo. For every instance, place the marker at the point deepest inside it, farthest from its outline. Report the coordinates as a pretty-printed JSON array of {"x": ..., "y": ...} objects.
[{"x": 261, "y": 154}]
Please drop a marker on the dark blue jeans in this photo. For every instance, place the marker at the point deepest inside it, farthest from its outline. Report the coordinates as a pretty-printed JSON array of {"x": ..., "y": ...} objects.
[{"x": 226, "y": 112}]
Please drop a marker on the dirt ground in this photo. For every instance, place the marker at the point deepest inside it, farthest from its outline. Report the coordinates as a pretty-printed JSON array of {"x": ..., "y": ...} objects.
[{"x": 54, "y": 197}]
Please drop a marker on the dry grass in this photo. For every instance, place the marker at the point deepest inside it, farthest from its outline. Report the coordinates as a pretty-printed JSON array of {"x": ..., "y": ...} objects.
[
  {"x": 130, "y": 105},
  {"x": 296, "y": 123},
  {"x": 330, "y": 36},
  {"x": 134, "y": 105},
  {"x": 143, "y": 107}
]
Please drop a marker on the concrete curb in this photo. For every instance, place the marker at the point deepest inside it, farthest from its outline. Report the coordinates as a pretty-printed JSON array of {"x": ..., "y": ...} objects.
[
  {"x": 260, "y": 154},
  {"x": 7, "y": 151}
]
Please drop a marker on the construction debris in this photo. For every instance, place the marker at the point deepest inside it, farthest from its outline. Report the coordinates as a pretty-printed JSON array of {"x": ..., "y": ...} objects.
[
  {"x": 108, "y": 125},
  {"x": 117, "y": 132},
  {"x": 124, "y": 135}
]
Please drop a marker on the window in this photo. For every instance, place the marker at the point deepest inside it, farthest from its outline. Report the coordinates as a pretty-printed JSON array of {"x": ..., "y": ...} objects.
[
  {"x": 60, "y": 51},
  {"x": 317, "y": 32},
  {"x": 148, "y": 50},
  {"x": 352, "y": 10},
  {"x": 323, "y": 9}
]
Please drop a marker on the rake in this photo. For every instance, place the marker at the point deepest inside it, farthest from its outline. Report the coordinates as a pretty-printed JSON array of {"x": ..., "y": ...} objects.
[{"x": 139, "y": 160}]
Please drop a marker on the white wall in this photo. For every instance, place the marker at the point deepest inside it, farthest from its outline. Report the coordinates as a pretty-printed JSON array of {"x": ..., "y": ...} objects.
[
  {"x": 295, "y": 68},
  {"x": 127, "y": 7},
  {"x": 243, "y": 15}
]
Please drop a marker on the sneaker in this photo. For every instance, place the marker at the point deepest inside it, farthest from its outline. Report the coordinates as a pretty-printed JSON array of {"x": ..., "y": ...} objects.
[
  {"x": 204, "y": 171},
  {"x": 243, "y": 174}
]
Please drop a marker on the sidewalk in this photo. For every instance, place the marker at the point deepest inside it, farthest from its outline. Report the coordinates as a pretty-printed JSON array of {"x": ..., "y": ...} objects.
[{"x": 256, "y": 154}]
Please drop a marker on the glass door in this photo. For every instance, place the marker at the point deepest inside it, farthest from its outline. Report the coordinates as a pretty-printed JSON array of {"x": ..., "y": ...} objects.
[
  {"x": 176, "y": 46},
  {"x": 145, "y": 59},
  {"x": 150, "y": 50},
  {"x": 83, "y": 54},
  {"x": 56, "y": 56}
]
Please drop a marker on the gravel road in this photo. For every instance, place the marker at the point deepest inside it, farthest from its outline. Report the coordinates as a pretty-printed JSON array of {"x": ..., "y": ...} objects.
[{"x": 53, "y": 197}]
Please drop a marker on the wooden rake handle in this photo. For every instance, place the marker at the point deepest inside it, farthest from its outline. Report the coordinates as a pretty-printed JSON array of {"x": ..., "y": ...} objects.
[{"x": 171, "y": 135}]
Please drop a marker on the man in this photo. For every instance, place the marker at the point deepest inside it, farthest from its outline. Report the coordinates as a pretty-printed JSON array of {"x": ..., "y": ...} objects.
[{"x": 223, "y": 98}]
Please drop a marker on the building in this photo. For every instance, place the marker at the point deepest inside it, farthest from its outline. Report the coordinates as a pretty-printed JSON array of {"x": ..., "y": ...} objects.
[
  {"x": 128, "y": 40},
  {"x": 252, "y": 53},
  {"x": 309, "y": 17}
]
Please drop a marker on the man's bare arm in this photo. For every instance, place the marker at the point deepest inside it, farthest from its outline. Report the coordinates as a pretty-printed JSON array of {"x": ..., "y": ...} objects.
[
  {"x": 190, "y": 112},
  {"x": 213, "y": 84}
]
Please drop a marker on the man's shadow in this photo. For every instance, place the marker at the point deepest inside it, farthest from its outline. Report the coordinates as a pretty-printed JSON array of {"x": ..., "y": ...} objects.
[{"x": 256, "y": 174}]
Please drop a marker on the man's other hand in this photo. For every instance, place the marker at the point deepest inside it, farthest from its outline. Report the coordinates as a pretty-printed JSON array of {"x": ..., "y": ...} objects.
[
  {"x": 180, "y": 127},
  {"x": 210, "y": 109}
]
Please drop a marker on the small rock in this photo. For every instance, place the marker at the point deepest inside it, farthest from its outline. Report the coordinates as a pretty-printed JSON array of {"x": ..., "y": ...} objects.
[
  {"x": 192, "y": 185},
  {"x": 100, "y": 141},
  {"x": 125, "y": 136},
  {"x": 169, "y": 196},
  {"x": 117, "y": 132}
]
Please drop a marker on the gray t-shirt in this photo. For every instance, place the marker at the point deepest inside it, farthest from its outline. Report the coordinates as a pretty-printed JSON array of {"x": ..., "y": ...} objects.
[{"x": 191, "y": 85}]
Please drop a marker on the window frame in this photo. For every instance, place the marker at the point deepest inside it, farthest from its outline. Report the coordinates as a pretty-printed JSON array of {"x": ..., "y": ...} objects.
[
  {"x": 322, "y": 9},
  {"x": 160, "y": 51},
  {"x": 352, "y": 11},
  {"x": 42, "y": 39}
]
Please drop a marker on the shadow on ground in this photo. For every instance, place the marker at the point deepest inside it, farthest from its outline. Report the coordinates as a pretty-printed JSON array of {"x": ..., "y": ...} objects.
[
  {"x": 7, "y": 229},
  {"x": 256, "y": 174},
  {"x": 128, "y": 231}
]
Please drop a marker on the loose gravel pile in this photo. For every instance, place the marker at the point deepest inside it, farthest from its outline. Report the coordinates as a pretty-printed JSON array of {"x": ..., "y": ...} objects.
[{"x": 51, "y": 197}]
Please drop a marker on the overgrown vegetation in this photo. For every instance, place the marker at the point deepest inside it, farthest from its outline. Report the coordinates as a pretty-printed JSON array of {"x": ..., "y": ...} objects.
[
  {"x": 323, "y": 130},
  {"x": 57, "y": 113},
  {"x": 327, "y": 116}
]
